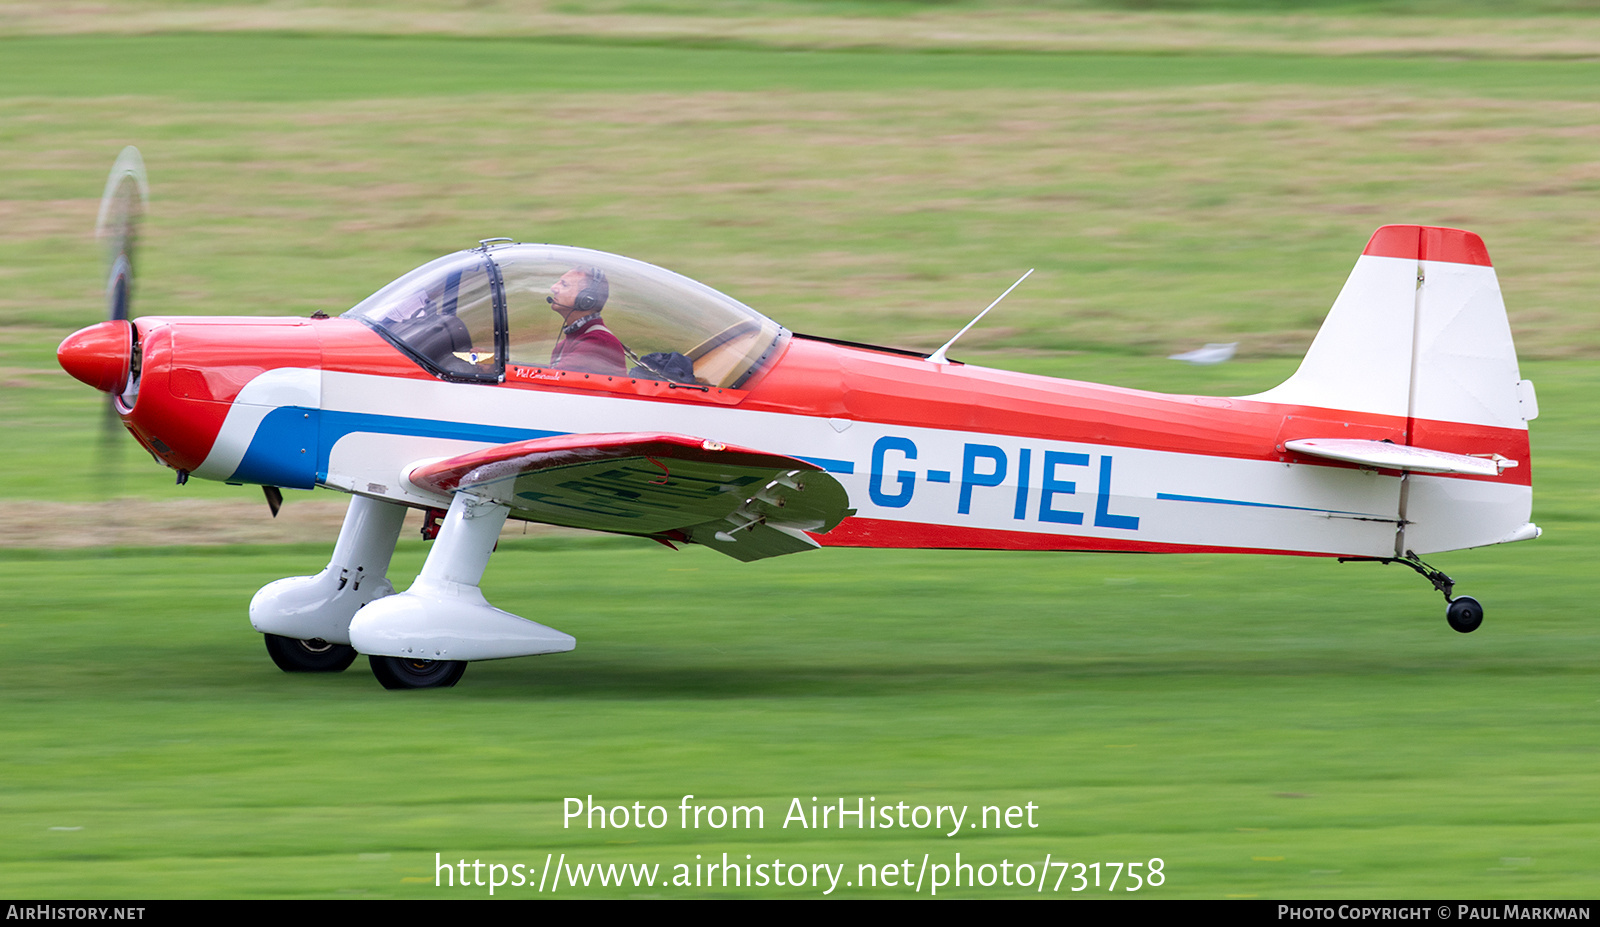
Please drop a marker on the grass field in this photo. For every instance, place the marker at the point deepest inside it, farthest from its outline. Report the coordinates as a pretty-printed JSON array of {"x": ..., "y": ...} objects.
[
  {"x": 1266, "y": 728},
  {"x": 1269, "y": 728}
]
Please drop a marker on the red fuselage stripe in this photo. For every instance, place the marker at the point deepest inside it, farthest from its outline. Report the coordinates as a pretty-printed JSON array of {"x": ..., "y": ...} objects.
[
  {"x": 816, "y": 379},
  {"x": 877, "y": 532}
]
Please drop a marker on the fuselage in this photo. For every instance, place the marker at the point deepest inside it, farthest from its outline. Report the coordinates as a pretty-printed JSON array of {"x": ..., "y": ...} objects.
[{"x": 932, "y": 455}]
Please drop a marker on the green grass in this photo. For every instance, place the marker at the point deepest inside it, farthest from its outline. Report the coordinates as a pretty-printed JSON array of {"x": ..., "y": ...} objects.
[
  {"x": 246, "y": 67},
  {"x": 1204, "y": 710},
  {"x": 1268, "y": 727}
]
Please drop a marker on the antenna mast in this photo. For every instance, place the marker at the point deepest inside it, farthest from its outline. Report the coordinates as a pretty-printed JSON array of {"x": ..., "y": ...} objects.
[{"x": 938, "y": 357}]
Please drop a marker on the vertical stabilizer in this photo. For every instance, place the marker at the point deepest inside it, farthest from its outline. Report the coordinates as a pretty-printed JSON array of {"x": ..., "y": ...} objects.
[
  {"x": 1361, "y": 358},
  {"x": 1419, "y": 332}
]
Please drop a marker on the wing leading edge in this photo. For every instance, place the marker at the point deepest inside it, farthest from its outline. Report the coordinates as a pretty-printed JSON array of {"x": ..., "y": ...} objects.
[{"x": 745, "y": 503}]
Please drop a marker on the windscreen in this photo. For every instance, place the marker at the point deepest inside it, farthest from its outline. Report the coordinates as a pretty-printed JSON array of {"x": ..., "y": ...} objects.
[
  {"x": 570, "y": 309},
  {"x": 442, "y": 313}
]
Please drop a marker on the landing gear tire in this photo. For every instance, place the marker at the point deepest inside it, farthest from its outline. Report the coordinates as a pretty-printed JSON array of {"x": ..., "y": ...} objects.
[
  {"x": 404, "y": 673},
  {"x": 1464, "y": 614},
  {"x": 313, "y": 656}
]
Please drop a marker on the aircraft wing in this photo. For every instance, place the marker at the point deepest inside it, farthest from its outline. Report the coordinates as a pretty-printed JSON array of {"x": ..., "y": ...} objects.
[{"x": 748, "y": 504}]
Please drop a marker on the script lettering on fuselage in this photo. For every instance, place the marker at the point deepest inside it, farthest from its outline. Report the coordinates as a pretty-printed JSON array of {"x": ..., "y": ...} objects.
[{"x": 1042, "y": 485}]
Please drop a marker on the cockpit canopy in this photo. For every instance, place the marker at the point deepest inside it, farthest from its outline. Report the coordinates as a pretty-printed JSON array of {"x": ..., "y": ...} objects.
[{"x": 468, "y": 315}]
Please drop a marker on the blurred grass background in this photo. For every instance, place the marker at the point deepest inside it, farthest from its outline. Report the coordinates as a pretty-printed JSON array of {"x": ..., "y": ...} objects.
[{"x": 1179, "y": 173}]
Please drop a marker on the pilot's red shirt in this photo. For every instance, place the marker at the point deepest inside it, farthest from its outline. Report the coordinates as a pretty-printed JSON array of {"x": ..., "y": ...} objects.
[{"x": 589, "y": 346}]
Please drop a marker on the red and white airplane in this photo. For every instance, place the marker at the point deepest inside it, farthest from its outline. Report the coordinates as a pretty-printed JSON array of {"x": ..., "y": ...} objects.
[{"x": 573, "y": 387}]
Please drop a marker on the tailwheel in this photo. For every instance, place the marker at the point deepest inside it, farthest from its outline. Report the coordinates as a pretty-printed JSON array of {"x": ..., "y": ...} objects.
[
  {"x": 408, "y": 673},
  {"x": 313, "y": 656},
  {"x": 1464, "y": 614}
]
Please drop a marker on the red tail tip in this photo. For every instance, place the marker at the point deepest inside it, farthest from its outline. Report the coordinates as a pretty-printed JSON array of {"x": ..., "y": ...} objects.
[{"x": 1429, "y": 243}]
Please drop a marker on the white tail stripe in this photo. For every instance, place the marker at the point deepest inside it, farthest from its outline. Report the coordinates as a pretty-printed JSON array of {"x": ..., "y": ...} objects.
[
  {"x": 1360, "y": 360},
  {"x": 1421, "y": 339}
]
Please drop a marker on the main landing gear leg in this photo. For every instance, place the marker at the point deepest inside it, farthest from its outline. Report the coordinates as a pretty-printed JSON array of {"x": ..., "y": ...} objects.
[
  {"x": 423, "y": 637},
  {"x": 306, "y": 619},
  {"x": 1464, "y": 613}
]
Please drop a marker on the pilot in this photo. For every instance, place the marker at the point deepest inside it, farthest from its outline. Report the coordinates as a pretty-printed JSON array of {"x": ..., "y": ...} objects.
[{"x": 586, "y": 344}]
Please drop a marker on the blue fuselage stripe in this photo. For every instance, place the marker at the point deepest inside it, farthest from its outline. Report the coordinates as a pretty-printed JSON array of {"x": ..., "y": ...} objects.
[
  {"x": 832, "y": 466},
  {"x": 278, "y": 452},
  {"x": 1174, "y": 497},
  {"x": 281, "y": 450}
]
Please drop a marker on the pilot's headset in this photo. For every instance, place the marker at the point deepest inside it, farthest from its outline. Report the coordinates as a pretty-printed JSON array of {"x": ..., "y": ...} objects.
[{"x": 596, "y": 290}]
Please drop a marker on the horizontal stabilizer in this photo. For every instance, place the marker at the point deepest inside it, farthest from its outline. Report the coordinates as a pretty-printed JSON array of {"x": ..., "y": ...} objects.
[
  {"x": 1386, "y": 456},
  {"x": 748, "y": 504}
]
